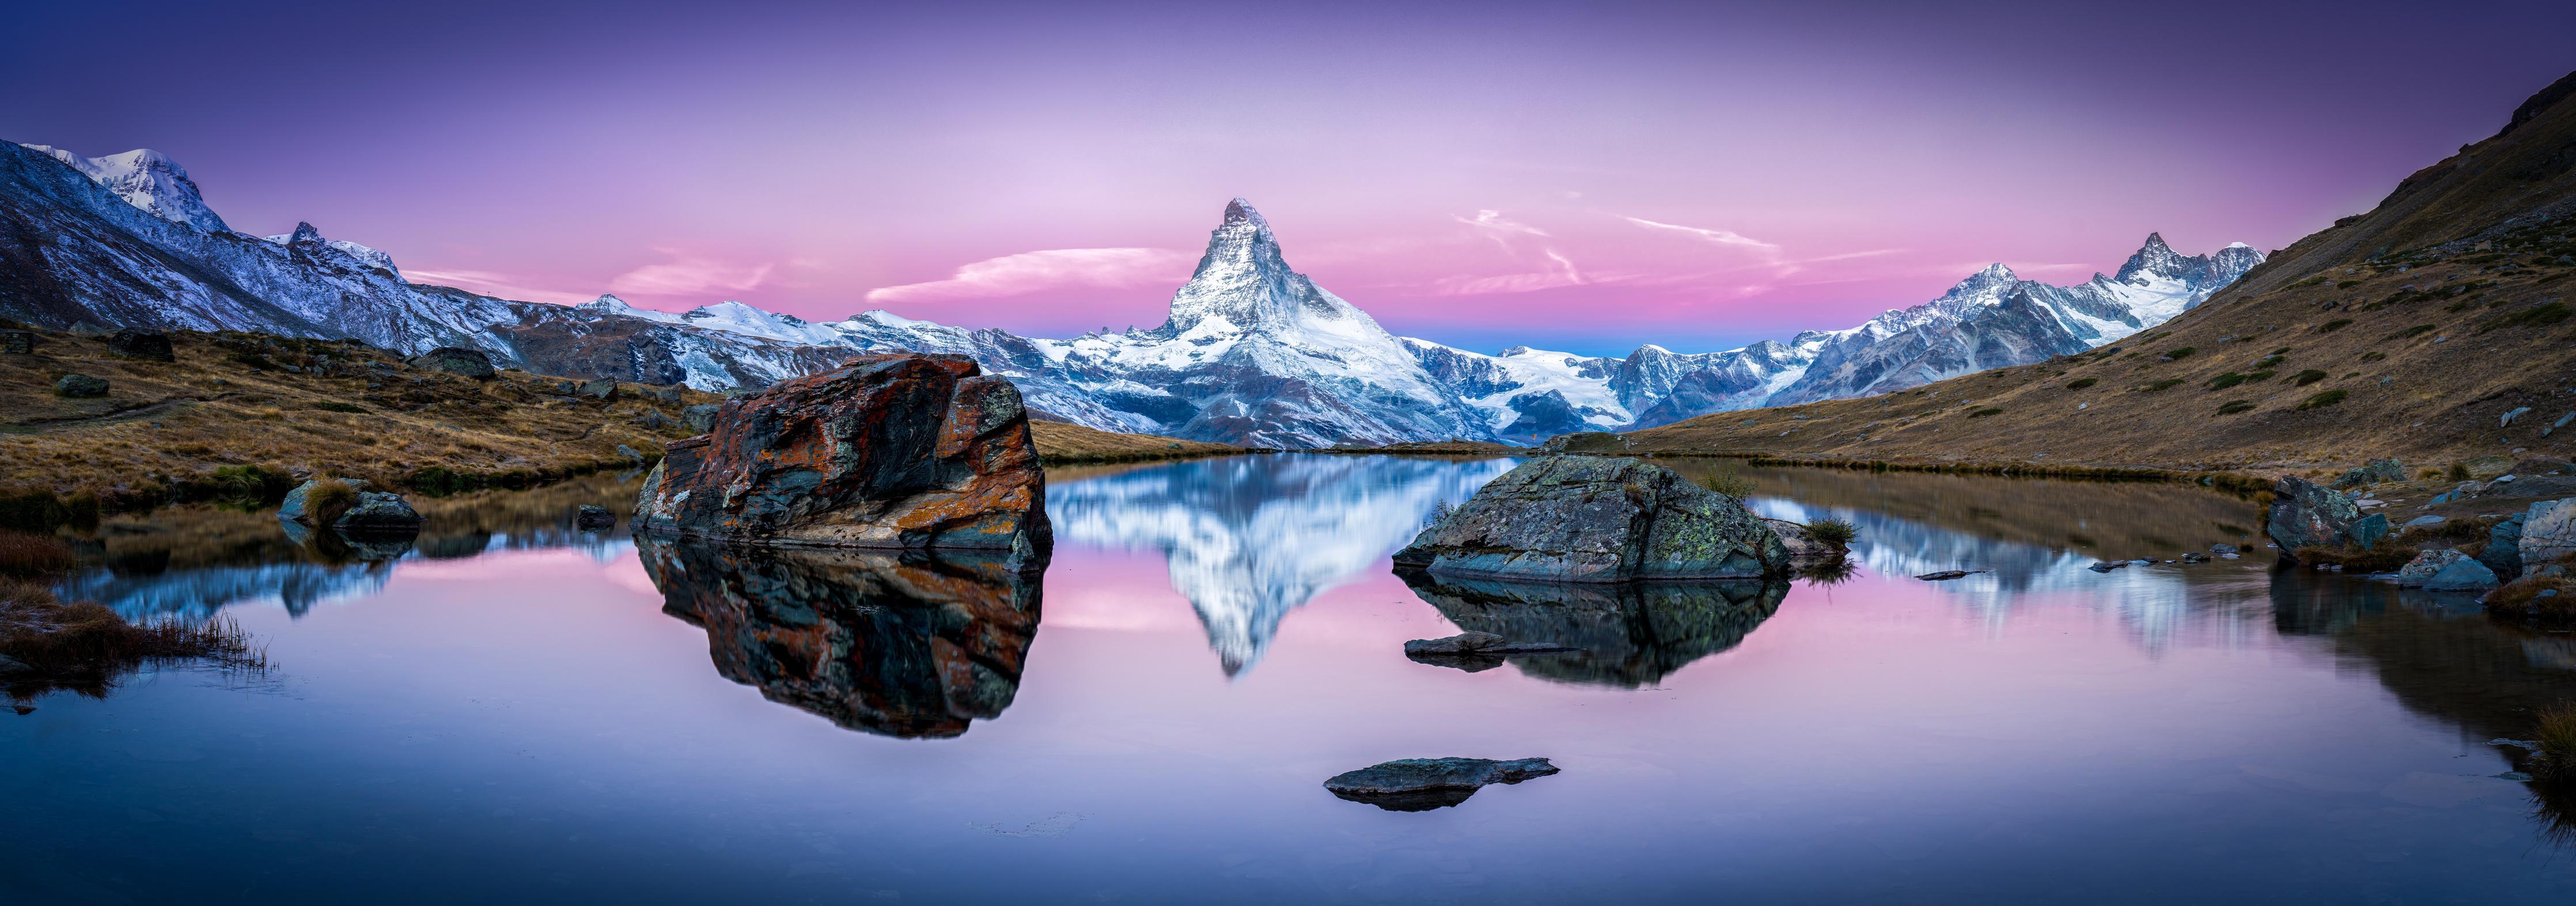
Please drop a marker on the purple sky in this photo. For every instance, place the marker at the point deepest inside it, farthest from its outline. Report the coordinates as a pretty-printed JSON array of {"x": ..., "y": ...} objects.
[{"x": 1563, "y": 175}]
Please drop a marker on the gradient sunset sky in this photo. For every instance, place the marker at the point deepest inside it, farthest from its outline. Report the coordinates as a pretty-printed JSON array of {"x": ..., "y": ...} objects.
[{"x": 1584, "y": 177}]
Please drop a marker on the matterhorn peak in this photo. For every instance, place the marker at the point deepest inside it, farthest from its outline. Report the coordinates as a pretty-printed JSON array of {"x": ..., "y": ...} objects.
[{"x": 1243, "y": 282}]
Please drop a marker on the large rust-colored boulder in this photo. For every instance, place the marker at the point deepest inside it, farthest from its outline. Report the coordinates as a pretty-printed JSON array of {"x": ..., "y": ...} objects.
[{"x": 886, "y": 451}]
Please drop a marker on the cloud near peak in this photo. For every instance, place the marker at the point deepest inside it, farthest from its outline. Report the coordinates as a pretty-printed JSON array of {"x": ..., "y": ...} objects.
[{"x": 1030, "y": 272}]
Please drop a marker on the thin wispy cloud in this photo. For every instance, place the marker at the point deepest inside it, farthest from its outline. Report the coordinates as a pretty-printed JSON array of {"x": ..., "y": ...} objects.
[
  {"x": 1030, "y": 272},
  {"x": 1720, "y": 237},
  {"x": 691, "y": 275},
  {"x": 1499, "y": 228},
  {"x": 494, "y": 284}
]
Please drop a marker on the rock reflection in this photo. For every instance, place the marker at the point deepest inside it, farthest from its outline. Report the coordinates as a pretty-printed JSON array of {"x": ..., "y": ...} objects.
[
  {"x": 1250, "y": 538},
  {"x": 1630, "y": 634},
  {"x": 893, "y": 644},
  {"x": 194, "y": 562}
]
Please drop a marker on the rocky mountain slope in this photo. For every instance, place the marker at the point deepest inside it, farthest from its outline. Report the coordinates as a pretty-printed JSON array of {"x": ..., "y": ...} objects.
[
  {"x": 1252, "y": 352},
  {"x": 2432, "y": 328}
]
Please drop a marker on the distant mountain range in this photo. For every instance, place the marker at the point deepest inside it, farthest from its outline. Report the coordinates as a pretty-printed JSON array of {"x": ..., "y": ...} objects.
[{"x": 1252, "y": 352}]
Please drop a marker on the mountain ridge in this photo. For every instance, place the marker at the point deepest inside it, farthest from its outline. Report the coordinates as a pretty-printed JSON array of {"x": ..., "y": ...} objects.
[{"x": 1251, "y": 352}]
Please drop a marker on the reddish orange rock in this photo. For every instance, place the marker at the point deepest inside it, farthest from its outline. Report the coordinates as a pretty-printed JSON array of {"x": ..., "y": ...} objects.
[{"x": 885, "y": 451}]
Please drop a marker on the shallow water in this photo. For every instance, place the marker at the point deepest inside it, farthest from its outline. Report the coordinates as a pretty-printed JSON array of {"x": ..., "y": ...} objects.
[{"x": 516, "y": 711}]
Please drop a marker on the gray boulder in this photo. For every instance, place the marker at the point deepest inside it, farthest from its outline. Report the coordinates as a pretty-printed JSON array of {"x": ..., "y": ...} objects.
[
  {"x": 700, "y": 418},
  {"x": 1423, "y": 784},
  {"x": 1597, "y": 519},
  {"x": 2550, "y": 486},
  {"x": 2377, "y": 471},
  {"x": 80, "y": 386},
  {"x": 18, "y": 342},
  {"x": 141, "y": 344},
  {"x": 660, "y": 394},
  {"x": 298, "y": 506},
  {"x": 654, "y": 420},
  {"x": 603, "y": 389},
  {"x": 2426, "y": 565},
  {"x": 2462, "y": 575},
  {"x": 378, "y": 513},
  {"x": 455, "y": 360},
  {"x": 2548, "y": 532},
  {"x": 2503, "y": 552},
  {"x": 594, "y": 516},
  {"x": 2307, "y": 514}
]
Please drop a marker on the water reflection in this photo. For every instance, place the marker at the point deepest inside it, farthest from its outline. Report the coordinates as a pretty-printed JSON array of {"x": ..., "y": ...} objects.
[
  {"x": 197, "y": 562},
  {"x": 897, "y": 645},
  {"x": 1630, "y": 634},
  {"x": 1250, "y": 538}
]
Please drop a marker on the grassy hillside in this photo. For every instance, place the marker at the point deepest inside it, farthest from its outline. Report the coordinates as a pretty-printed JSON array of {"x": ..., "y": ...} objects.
[
  {"x": 242, "y": 417},
  {"x": 2411, "y": 331},
  {"x": 1059, "y": 443}
]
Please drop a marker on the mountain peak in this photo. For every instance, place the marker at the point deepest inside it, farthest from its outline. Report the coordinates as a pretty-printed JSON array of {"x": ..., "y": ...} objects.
[
  {"x": 304, "y": 232},
  {"x": 146, "y": 179},
  {"x": 606, "y": 302},
  {"x": 1244, "y": 283}
]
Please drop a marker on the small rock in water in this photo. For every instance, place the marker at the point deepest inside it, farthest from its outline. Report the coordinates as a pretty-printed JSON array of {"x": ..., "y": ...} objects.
[
  {"x": 379, "y": 513},
  {"x": 1949, "y": 574},
  {"x": 2222, "y": 548},
  {"x": 2108, "y": 565},
  {"x": 2464, "y": 575},
  {"x": 594, "y": 516},
  {"x": 1423, "y": 784},
  {"x": 2195, "y": 557},
  {"x": 2515, "y": 776}
]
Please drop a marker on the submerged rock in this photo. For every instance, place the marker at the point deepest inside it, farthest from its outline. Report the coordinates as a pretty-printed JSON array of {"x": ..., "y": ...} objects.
[
  {"x": 902, "y": 644},
  {"x": 886, "y": 451},
  {"x": 1473, "y": 642},
  {"x": 594, "y": 516},
  {"x": 1949, "y": 574},
  {"x": 1598, "y": 519},
  {"x": 1423, "y": 784},
  {"x": 456, "y": 360}
]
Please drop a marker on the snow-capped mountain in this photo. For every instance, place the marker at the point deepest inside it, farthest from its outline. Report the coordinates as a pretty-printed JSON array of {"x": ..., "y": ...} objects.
[
  {"x": 146, "y": 179},
  {"x": 1252, "y": 351},
  {"x": 1991, "y": 319}
]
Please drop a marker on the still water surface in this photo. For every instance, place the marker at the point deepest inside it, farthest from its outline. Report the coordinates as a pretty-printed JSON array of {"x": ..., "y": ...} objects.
[{"x": 515, "y": 711}]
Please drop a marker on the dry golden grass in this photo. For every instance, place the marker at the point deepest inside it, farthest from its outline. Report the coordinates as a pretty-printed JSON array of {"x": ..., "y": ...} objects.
[
  {"x": 2407, "y": 332},
  {"x": 228, "y": 419},
  {"x": 1060, "y": 443},
  {"x": 2557, "y": 737},
  {"x": 85, "y": 646}
]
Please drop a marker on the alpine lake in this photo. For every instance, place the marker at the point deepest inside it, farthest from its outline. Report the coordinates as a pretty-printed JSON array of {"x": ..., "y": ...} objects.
[{"x": 509, "y": 709}]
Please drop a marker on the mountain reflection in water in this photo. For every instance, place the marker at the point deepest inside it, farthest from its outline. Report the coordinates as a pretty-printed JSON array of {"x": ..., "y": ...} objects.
[
  {"x": 899, "y": 645},
  {"x": 1249, "y": 538}
]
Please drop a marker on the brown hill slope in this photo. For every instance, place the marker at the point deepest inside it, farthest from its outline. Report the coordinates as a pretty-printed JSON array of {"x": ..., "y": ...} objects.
[
  {"x": 2413, "y": 331},
  {"x": 240, "y": 417}
]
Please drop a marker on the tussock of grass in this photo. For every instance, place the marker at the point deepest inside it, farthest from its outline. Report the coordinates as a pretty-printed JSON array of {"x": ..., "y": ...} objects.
[
  {"x": 2225, "y": 380},
  {"x": 2183, "y": 352},
  {"x": 1836, "y": 532},
  {"x": 1729, "y": 483},
  {"x": 2334, "y": 325},
  {"x": 24, "y": 555},
  {"x": 329, "y": 499},
  {"x": 2081, "y": 383},
  {"x": 2307, "y": 377},
  {"x": 1981, "y": 413},
  {"x": 2322, "y": 400},
  {"x": 2536, "y": 316},
  {"x": 2523, "y": 596},
  {"x": 2557, "y": 737},
  {"x": 2231, "y": 407},
  {"x": 87, "y": 641},
  {"x": 2166, "y": 384}
]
